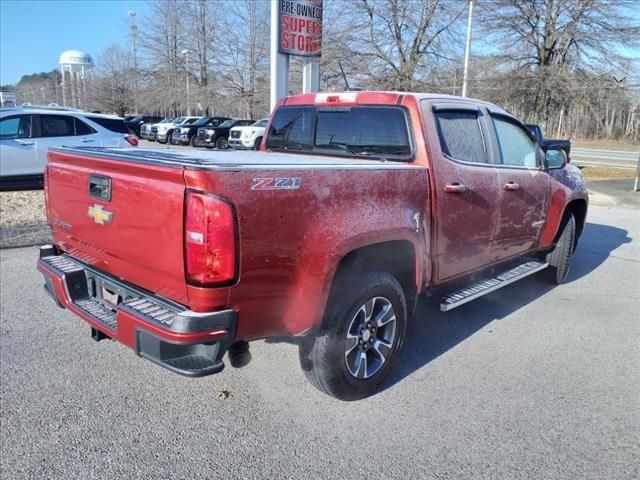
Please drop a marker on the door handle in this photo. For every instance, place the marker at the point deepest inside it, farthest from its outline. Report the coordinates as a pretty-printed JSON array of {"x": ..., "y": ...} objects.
[
  {"x": 511, "y": 186},
  {"x": 26, "y": 144},
  {"x": 455, "y": 188},
  {"x": 86, "y": 140}
]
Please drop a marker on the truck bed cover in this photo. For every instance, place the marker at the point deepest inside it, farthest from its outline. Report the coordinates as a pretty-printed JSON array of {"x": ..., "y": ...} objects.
[{"x": 230, "y": 159}]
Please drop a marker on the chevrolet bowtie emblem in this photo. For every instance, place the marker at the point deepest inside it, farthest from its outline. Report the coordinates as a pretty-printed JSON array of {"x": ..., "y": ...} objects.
[{"x": 99, "y": 214}]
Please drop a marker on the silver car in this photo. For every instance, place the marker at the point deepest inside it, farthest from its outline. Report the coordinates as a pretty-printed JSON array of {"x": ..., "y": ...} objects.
[{"x": 27, "y": 133}]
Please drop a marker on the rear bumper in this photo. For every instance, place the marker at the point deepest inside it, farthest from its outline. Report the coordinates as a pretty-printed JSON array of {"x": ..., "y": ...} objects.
[{"x": 186, "y": 342}]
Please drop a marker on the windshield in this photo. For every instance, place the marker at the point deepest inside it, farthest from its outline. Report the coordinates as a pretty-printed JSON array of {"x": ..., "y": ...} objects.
[
  {"x": 200, "y": 122},
  {"x": 228, "y": 124},
  {"x": 368, "y": 131},
  {"x": 191, "y": 121},
  {"x": 261, "y": 123},
  {"x": 178, "y": 120}
]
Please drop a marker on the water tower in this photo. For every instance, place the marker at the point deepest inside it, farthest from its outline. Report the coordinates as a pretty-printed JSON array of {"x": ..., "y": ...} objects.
[{"x": 75, "y": 67}]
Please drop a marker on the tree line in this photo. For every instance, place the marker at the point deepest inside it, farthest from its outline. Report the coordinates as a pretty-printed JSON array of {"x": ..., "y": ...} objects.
[{"x": 565, "y": 64}]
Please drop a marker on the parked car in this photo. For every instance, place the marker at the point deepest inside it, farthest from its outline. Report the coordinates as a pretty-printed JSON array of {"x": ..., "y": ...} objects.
[
  {"x": 135, "y": 122},
  {"x": 26, "y": 133},
  {"x": 218, "y": 136},
  {"x": 248, "y": 137},
  {"x": 162, "y": 131},
  {"x": 362, "y": 203},
  {"x": 147, "y": 132},
  {"x": 547, "y": 143},
  {"x": 188, "y": 134}
]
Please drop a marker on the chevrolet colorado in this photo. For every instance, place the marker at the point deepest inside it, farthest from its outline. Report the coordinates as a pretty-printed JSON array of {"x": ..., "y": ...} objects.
[{"x": 358, "y": 203}]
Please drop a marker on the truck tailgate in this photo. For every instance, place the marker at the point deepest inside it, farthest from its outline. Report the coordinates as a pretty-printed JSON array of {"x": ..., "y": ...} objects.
[{"x": 136, "y": 234}]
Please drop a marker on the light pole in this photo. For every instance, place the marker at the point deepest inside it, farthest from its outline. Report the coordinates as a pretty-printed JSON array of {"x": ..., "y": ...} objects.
[
  {"x": 467, "y": 50},
  {"x": 185, "y": 52}
]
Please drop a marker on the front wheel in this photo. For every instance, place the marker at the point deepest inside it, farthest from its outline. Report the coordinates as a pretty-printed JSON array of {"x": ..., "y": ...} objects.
[
  {"x": 258, "y": 142},
  {"x": 222, "y": 143},
  {"x": 560, "y": 258},
  {"x": 364, "y": 331},
  {"x": 194, "y": 141}
]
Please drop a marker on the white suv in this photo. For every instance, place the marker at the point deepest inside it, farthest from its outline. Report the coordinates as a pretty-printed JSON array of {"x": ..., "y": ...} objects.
[
  {"x": 248, "y": 136},
  {"x": 26, "y": 134}
]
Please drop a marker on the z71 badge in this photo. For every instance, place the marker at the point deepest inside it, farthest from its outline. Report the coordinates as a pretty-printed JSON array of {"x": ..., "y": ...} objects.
[{"x": 283, "y": 183}]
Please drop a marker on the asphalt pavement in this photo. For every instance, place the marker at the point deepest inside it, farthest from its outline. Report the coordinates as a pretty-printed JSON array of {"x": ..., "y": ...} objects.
[{"x": 531, "y": 382}]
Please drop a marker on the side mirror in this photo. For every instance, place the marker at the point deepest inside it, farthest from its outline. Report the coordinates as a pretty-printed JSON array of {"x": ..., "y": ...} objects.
[{"x": 555, "y": 159}]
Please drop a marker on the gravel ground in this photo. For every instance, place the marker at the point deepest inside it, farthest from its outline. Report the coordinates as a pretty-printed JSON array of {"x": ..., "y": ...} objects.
[
  {"x": 22, "y": 219},
  {"x": 530, "y": 382}
]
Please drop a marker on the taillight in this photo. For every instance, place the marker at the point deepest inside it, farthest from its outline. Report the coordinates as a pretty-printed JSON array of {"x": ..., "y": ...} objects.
[
  {"x": 209, "y": 240},
  {"x": 133, "y": 141}
]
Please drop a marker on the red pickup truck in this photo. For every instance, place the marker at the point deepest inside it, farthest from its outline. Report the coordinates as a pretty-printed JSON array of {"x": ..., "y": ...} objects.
[{"x": 358, "y": 203}]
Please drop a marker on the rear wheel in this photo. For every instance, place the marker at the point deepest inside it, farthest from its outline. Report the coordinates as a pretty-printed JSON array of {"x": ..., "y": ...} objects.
[
  {"x": 560, "y": 257},
  {"x": 364, "y": 332},
  {"x": 222, "y": 143}
]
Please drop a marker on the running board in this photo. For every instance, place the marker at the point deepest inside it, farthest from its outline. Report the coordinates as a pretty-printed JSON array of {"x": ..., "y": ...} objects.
[{"x": 478, "y": 289}]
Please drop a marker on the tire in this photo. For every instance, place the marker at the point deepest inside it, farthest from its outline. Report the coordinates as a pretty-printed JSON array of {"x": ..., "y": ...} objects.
[
  {"x": 170, "y": 139},
  {"x": 221, "y": 143},
  {"x": 194, "y": 141},
  {"x": 258, "y": 142},
  {"x": 560, "y": 258},
  {"x": 333, "y": 361}
]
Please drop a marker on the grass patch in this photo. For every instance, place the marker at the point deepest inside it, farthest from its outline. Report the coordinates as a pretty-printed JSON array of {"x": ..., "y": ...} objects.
[{"x": 606, "y": 173}]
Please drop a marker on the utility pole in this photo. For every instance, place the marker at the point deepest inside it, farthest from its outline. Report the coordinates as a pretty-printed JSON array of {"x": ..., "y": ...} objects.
[
  {"x": 185, "y": 52},
  {"x": 467, "y": 50},
  {"x": 133, "y": 36},
  {"x": 636, "y": 184}
]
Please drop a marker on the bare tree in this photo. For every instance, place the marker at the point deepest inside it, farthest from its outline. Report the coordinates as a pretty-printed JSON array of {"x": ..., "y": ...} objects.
[
  {"x": 113, "y": 89},
  {"x": 396, "y": 37},
  {"x": 552, "y": 39},
  {"x": 244, "y": 63},
  {"x": 200, "y": 20},
  {"x": 162, "y": 40}
]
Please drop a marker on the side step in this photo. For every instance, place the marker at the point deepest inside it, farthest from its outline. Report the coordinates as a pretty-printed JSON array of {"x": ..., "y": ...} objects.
[{"x": 478, "y": 289}]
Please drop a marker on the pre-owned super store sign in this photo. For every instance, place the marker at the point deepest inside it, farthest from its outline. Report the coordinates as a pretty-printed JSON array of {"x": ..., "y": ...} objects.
[{"x": 300, "y": 27}]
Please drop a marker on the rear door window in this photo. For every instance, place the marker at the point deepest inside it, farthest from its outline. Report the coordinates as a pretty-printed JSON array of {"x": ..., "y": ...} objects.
[
  {"x": 56, "y": 126},
  {"x": 461, "y": 135}
]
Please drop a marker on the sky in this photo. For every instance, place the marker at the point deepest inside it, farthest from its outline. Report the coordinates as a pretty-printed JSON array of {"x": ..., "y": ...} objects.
[{"x": 33, "y": 34}]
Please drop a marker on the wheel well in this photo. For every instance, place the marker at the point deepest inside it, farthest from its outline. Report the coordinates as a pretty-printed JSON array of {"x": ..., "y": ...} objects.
[
  {"x": 395, "y": 257},
  {"x": 579, "y": 210}
]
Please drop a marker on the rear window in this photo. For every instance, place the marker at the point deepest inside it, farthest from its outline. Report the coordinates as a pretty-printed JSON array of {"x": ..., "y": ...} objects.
[
  {"x": 354, "y": 131},
  {"x": 113, "y": 124}
]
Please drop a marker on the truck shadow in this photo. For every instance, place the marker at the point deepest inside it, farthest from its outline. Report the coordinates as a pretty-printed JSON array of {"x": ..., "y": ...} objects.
[{"x": 432, "y": 333}]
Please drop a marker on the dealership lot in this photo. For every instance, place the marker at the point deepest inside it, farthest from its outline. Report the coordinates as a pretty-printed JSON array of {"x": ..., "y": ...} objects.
[{"x": 533, "y": 381}]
